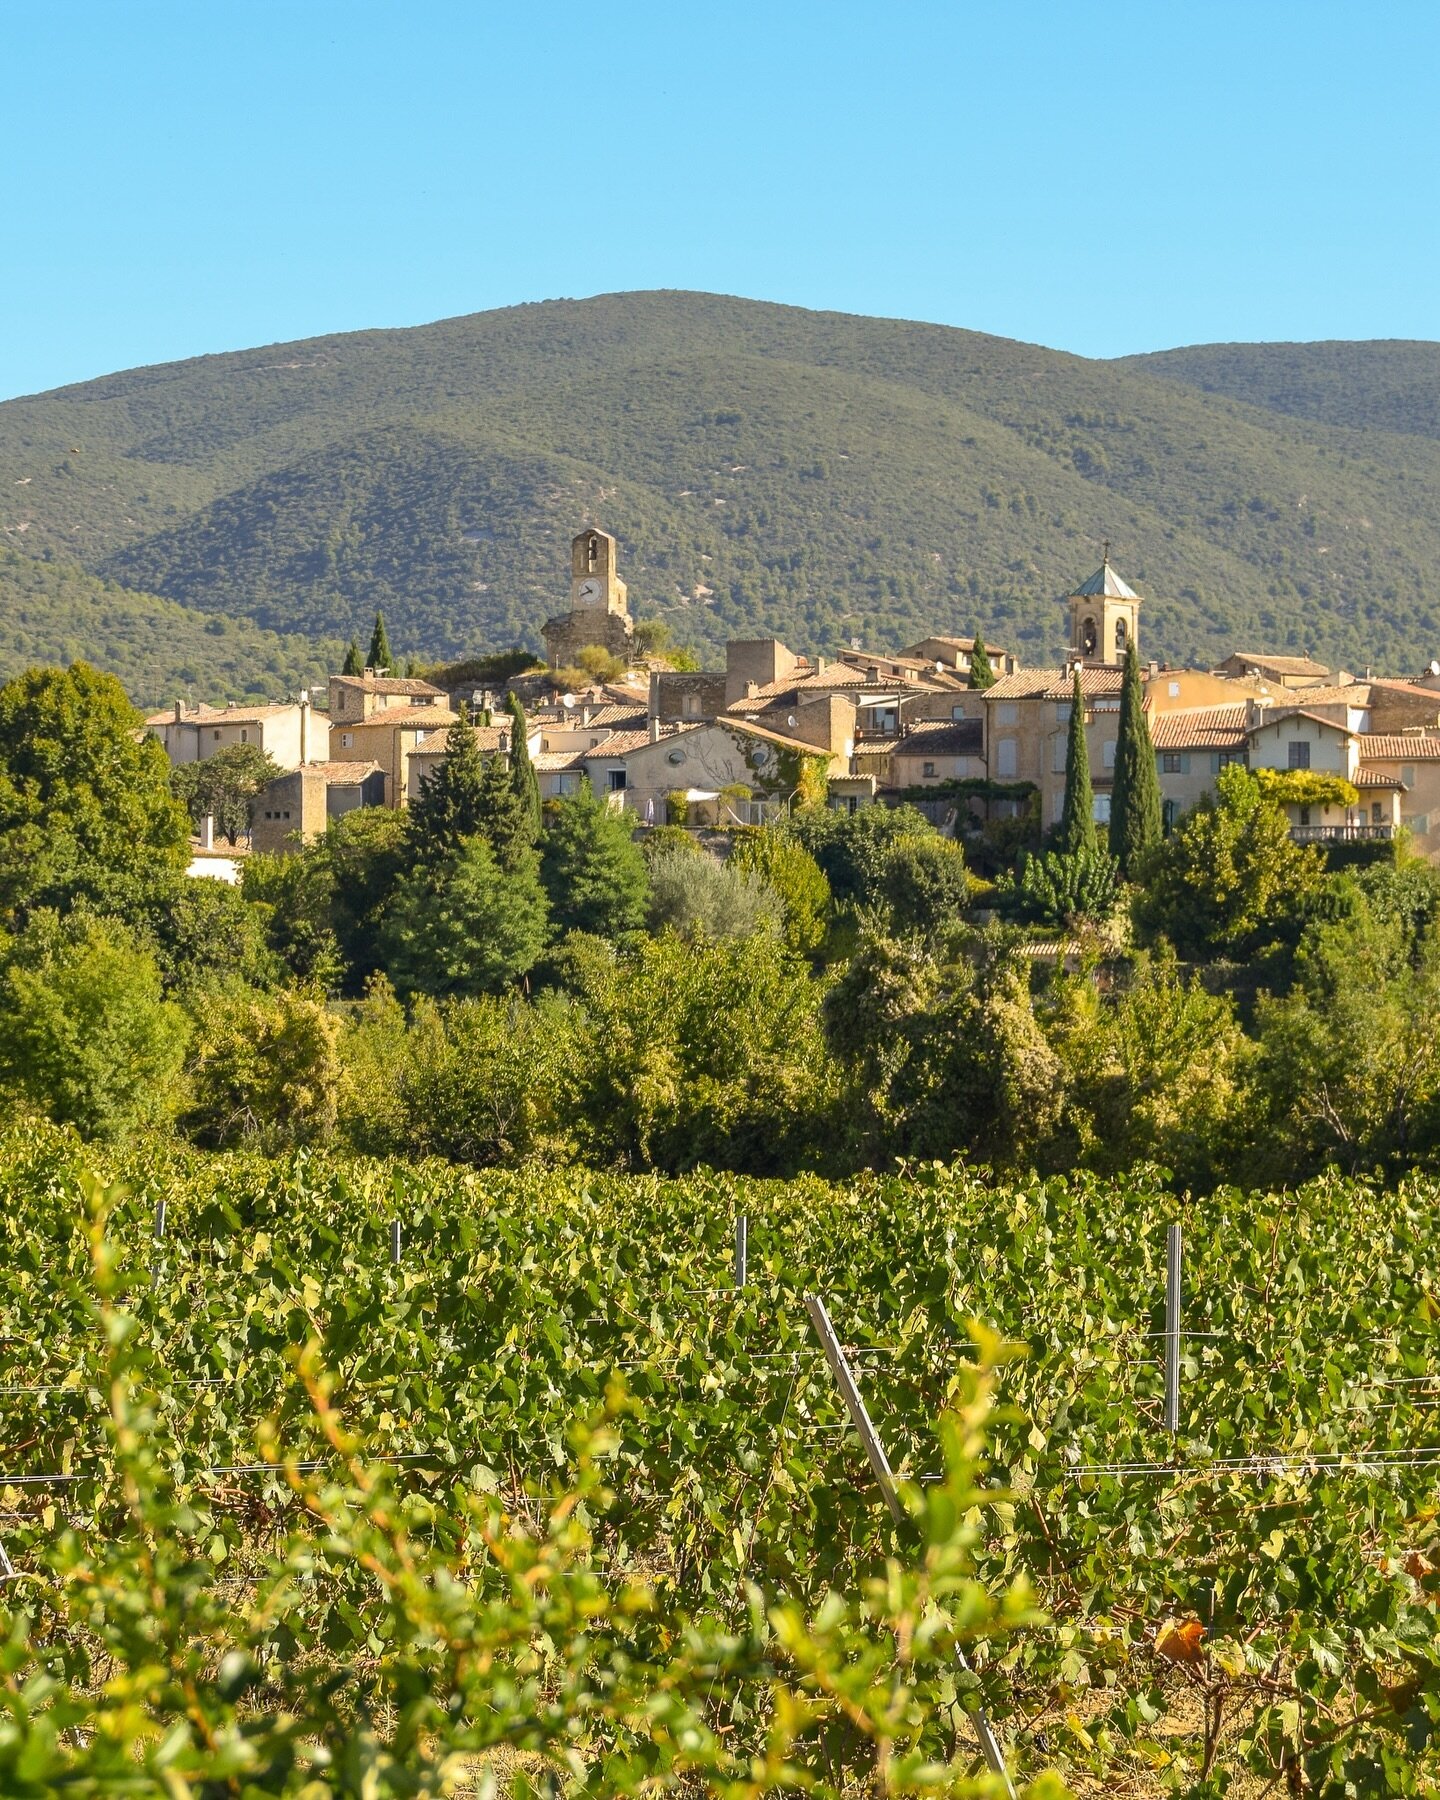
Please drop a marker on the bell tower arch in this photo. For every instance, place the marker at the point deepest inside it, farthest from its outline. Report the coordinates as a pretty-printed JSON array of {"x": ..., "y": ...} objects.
[{"x": 1104, "y": 616}]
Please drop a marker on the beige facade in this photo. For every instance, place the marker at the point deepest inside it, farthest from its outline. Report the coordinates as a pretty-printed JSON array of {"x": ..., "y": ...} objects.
[
  {"x": 388, "y": 737},
  {"x": 358, "y": 697},
  {"x": 297, "y": 807},
  {"x": 954, "y": 653},
  {"x": 599, "y": 614},
  {"x": 290, "y": 734},
  {"x": 1411, "y": 760}
]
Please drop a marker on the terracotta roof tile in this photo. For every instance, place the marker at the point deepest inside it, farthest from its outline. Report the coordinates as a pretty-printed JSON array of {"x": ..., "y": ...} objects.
[
  {"x": 1056, "y": 684},
  {"x": 1278, "y": 665},
  {"x": 386, "y": 684},
  {"x": 1397, "y": 747},
  {"x": 1210, "y": 728},
  {"x": 943, "y": 737}
]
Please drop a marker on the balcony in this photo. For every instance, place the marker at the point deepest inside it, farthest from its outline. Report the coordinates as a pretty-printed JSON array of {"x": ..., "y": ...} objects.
[{"x": 1341, "y": 834}]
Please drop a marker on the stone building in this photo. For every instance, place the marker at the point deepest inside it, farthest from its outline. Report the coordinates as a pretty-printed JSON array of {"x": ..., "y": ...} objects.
[{"x": 598, "y": 613}]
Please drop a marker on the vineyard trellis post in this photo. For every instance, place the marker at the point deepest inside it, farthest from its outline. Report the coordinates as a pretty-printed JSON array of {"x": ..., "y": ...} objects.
[
  {"x": 159, "y": 1227},
  {"x": 395, "y": 1242},
  {"x": 742, "y": 1249},
  {"x": 1173, "y": 1254},
  {"x": 860, "y": 1418}
]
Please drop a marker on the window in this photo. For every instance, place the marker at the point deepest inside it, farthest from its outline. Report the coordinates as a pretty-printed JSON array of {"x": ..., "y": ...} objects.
[
  {"x": 1300, "y": 754},
  {"x": 1169, "y": 813},
  {"x": 676, "y": 757},
  {"x": 1062, "y": 712},
  {"x": 1304, "y": 815},
  {"x": 1170, "y": 762},
  {"x": 1059, "y": 752},
  {"x": 1100, "y": 811},
  {"x": 347, "y": 739},
  {"x": 617, "y": 780},
  {"x": 1174, "y": 690},
  {"x": 957, "y": 712},
  {"x": 1005, "y": 757},
  {"x": 216, "y": 736},
  {"x": 1377, "y": 816},
  {"x": 1407, "y": 774},
  {"x": 1007, "y": 713},
  {"x": 1107, "y": 753},
  {"x": 285, "y": 815},
  {"x": 420, "y": 736},
  {"x": 1057, "y": 808},
  {"x": 927, "y": 768},
  {"x": 244, "y": 735}
]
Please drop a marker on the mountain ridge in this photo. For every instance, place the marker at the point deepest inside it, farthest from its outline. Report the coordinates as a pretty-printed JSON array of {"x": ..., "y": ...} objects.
[{"x": 819, "y": 474}]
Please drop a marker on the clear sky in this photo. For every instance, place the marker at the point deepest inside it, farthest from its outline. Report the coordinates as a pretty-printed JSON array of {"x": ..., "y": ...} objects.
[{"x": 185, "y": 176}]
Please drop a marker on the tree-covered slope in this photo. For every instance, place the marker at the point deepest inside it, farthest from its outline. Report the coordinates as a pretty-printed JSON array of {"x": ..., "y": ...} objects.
[
  {"x": 57, "y": 613},
  {"x": 817, "y": 474},
  {"x": 1387, "y": 386}
]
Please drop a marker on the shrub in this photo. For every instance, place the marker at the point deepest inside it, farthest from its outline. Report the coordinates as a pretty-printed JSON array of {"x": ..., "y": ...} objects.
[
  {"x": 699, "y": 897},
  {"x": 264, "y": 1068}
]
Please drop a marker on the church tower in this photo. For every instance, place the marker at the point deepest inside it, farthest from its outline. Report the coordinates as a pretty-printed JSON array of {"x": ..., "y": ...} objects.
[
  {"x": 598, "y": 612},
  {"x": 1104, "y": 616}
]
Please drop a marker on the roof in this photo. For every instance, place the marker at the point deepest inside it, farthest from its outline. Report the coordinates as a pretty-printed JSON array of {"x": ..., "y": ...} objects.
[
  {"x": 1285, "y": 714},
  {"x": 214, "y": 715},
  {"x": 400, "y": 718},
  {"x": 548, "y": 762},
  {"x": 939, "y": 637},
  {"x": 1397, "y": 747},
  {"x": 1371, "y": 778},
  {"x": 621, "y": 743},
  {"x": 1103, "y": 582},
  {"x": 1213, "y": 728},
  {"x": 487, "y": 737},
  {"x": 1277, "y": 665},
  {"x": 942, "y": 737},
  {"x": 1096, "y": 681},
  {"x": 875, "y": 747},
  {"x": 751, "y": 729},
  {"x": 837, "y": 677},
  {"x": 618, "y": 716},
  {"x": 337, "y": 774},
  {"x": 386, "y": 684}
]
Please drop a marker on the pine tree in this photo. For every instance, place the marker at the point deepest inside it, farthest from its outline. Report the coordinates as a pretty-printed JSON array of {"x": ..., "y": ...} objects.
[
  {"x": 981, "y": 674},
  {"x": 502, "y": 819},
  {"x": 1135, "y": 816},
  {"x": 592, "y": 869},
  {"x": 1077, "y": 820},
  {"x": 522, "y": 770},
  {"x": 352, "y": 664},
  {"x": 379, "y": 658},
  {"x": 449, "y": 805}
]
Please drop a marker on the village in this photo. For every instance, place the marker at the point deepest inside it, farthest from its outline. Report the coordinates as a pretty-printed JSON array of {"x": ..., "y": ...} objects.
[{"x": 949, "y": 723}]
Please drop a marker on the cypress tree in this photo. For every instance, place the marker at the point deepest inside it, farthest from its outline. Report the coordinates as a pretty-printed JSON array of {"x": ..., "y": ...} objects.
[
  {"x": 1135, "y": 816},
  {"x": 352, "y": 664},
  {"x": 379, "y": 658},
  {"x": 502, "y": 818},
  {"x": 1077, "y": 821},
  {"x": 522, "y": 770},
  {"x": 981, "y": 674},
  {"x": 449, "y": 805}
]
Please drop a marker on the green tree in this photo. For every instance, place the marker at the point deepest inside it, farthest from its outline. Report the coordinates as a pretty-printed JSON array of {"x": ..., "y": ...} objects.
[
  {"x": 1225, "y": 880},
  {"x": 293, "y": 896},
  {"x": 224, "y": 787},
  {"x": 701, "y": 897},
  {"x": 502, "y": 818},
  {"x": 379, "y": 658},
  {"x": 86, "y": 810},
  {"x": 264, "y": 1069},
  {"x": 924, "y": 886},
  {"x": 592, "y": 868},
  {"x": 357, "y": 864},
  {"x": 1135, "y": 813},
  {"x": 981, "y": 673},
  {"x": 522, "y": 770},
  {"x": 86, "y": 1034},
  {"x": 448, "y": 806},
  {"x": 205, "y": 931},
  {"x": 1057, "y": 888},
  {"x": 1077, "y": 816},
  {"x": 464, "y": 926},
  {"x": 354, "y": 663},
  {"x": 790, "y": 871},
  {"x": 851, "y": 848}
]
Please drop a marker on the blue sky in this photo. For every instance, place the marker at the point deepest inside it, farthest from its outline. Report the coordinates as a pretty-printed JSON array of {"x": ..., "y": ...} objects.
[{"x": 1100, "y": 177}]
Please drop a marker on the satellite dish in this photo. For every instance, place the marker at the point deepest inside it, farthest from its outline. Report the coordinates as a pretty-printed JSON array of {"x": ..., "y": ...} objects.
[
  {"x": 791, "y": 720},
  {"x": 1434, "y": 668},
  {"x": 567, "y": 701}
]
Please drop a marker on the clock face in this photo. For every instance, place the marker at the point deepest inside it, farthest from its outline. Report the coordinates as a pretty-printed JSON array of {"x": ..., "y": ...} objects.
[{"x": 589, "y": 589}]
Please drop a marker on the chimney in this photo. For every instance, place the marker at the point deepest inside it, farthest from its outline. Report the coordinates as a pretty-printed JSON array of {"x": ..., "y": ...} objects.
[
  {"x": 584, "y": 716},
  {"x": 655, "y": 723},
  {"x": 752, "y": 688},
  {"x": 304, "y": 726},
  {"x": 819, "y": 665},
  {"x": 179, "y": 711},
  {"x": 207, "y": 832}
]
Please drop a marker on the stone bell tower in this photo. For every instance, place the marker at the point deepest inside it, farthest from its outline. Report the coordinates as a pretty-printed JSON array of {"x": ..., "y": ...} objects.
[
  {"x": 1104, "y": 616},
  {"x": 598, "y": 612}
]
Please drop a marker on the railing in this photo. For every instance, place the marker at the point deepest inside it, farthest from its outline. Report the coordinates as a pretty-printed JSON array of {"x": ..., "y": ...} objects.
[{"x": 1341, "y": 834}]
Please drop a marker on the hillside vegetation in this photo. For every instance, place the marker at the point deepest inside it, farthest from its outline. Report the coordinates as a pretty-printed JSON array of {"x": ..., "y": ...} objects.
[
  {"x": 816, "y": 474},
  {"x": 54, "y": 612}
]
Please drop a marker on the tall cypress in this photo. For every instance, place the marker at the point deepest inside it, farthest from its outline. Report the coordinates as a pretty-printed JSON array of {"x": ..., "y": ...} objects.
[
  {"x": 1135, "y": 815},
  {"x": 522, "y": 770},
  {"x": 379, "y": 658},
  {"x": 981, "y": 674},
  {"x": 449, "y": 806},
  {"x": 352, "y": 664},
  {"x": 1077, "y": 821}
]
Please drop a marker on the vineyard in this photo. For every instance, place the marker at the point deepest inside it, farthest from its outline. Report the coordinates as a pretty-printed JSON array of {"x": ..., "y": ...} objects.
[{"x": 329, "y": 1476}]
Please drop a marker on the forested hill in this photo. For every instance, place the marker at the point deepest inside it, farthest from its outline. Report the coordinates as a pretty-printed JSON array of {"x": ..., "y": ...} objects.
[{"x": 765, "y": 468}]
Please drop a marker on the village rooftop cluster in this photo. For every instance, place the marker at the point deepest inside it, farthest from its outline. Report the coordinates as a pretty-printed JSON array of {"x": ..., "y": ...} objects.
[{"x": 742, "y": 744}]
